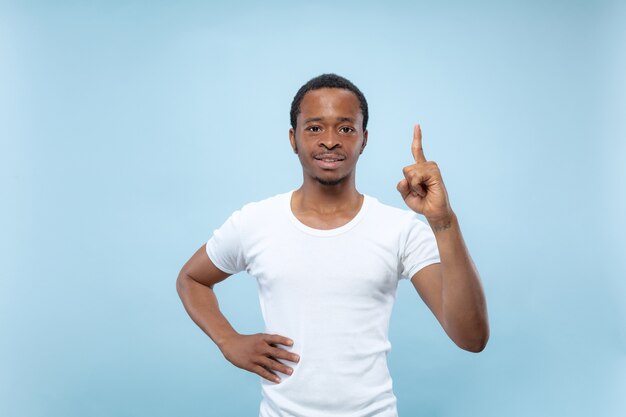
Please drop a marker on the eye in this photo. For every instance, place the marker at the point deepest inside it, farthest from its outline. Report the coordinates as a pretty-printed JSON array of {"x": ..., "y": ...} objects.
[
  {"x": 346, "y": 129},
  {"x": 314, "y": 129}
]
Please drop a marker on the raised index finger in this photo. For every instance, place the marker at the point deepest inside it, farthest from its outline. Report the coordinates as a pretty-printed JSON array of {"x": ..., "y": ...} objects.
[{"x": 416, "y": 146}]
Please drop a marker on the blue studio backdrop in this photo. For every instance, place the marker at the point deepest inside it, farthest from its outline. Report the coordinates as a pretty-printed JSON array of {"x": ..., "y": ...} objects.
[{"x": 130, "y": 130}]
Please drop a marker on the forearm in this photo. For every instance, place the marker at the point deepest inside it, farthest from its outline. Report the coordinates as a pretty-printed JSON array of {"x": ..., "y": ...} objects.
[
  {"x": 202, "y": 306},
  {"x": 464, "y": 310}
]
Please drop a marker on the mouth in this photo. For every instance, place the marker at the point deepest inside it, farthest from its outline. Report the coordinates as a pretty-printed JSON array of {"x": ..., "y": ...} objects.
[
  {"x": 329, "y": 160},
  {"x": 329, "y": 157}
]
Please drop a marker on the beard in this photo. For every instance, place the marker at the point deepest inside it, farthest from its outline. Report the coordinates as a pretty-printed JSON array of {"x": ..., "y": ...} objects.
[{"x": 330, "y": 182}]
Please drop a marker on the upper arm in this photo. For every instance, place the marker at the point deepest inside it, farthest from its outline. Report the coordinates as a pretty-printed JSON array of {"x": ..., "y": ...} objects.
[
  {"x": 428, "y": 284},
  {"x": 200, "y": 268}
]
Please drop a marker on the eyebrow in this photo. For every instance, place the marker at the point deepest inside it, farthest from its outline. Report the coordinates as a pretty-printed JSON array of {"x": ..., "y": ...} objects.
[{"x": 319, "y": 119}]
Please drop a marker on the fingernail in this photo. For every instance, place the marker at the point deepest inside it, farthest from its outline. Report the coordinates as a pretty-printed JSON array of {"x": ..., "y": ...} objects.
[
  {"x": 290, "y": 342},
  {"x": 277, "y": 380},
  {"x": 296, "y": 358},
  {"x": 290, "y": 371}
]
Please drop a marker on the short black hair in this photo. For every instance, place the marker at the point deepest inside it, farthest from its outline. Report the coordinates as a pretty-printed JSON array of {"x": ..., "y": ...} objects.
[{"x": 327, "y": 81}]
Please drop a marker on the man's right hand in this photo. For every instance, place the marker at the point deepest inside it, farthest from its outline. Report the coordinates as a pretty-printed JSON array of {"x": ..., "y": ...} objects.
[{"x": 258, "y": 353}]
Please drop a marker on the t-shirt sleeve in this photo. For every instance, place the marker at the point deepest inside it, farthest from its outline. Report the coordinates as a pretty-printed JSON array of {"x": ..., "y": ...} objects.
[
  {"x": 420, "y": 248},
  {"x": 224, "y": 247}
]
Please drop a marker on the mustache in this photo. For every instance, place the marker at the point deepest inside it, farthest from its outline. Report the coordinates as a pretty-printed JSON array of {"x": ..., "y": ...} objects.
[{"x": 329, "y": 155}]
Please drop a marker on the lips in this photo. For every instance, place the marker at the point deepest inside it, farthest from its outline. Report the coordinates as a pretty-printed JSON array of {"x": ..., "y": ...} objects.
[
  {"x": 329, "y": 157},
  {"x": 329, "y": 160}
]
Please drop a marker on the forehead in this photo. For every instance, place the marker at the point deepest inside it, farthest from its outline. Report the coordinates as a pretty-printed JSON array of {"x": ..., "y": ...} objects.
[{"x": 330, "y": 102}]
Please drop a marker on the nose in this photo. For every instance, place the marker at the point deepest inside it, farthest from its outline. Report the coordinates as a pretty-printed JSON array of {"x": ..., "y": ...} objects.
[{"x": 330, "y": 141}]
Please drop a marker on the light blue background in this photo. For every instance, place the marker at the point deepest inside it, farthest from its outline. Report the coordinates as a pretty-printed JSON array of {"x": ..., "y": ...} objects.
[{"x": 130, "y": 130}]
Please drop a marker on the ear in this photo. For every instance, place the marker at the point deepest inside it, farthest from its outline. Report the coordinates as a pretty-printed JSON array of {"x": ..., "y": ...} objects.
[
  {"x": 292, "y": 140},
  {"x": 364, "y": 141}
]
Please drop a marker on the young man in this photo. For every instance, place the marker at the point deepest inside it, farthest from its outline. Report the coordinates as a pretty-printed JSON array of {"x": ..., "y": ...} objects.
[{"x": 327, "y": 260}]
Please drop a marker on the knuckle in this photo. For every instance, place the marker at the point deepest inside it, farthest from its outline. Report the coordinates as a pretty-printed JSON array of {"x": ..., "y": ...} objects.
[
  {"x": 269, "y": 362},
  {"x": 260, "y": 346}
]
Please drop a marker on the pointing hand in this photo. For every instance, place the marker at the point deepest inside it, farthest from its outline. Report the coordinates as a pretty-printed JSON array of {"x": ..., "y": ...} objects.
[{"x": 422, "y": 188}]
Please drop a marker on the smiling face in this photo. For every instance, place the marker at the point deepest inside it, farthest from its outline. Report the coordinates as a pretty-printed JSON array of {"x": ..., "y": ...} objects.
[{"x": 329, "y": 135}]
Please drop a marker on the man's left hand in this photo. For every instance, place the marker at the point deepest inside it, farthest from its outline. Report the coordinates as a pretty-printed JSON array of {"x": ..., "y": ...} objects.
[{"x": 422, "y": 187}]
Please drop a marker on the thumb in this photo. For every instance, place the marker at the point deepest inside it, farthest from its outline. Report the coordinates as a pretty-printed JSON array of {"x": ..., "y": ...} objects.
[{"x": 403, "y": 188}]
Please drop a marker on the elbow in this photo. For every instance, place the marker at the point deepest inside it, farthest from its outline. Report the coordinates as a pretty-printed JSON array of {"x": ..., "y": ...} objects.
[
  {"x": 475, "y": 347},
  {"x": 185, "y": 283},
  {"x": 182, "y": 283},
  {"x": 472, "y": 338},
  {"x": 476, "y": 343}
]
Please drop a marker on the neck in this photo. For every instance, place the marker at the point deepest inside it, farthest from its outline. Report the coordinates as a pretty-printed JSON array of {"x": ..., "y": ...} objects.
[{"x": 321, "y": 198}]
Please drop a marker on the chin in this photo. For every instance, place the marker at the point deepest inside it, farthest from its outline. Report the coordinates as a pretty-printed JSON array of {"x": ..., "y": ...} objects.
[{"x": 330, "y": 181}]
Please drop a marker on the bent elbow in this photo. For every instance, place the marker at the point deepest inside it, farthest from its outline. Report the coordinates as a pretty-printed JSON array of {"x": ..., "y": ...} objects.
[
  {"x": 475, "y": 347},
  {"x": 181, "y": 282},
  {"x": 476, "y": 344}
]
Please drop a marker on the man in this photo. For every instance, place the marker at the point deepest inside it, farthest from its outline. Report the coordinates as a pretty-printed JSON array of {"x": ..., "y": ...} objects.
[{"x": 327, "y": 260}]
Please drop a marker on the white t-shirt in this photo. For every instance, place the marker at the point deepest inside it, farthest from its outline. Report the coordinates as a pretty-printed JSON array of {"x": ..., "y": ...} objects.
[{"x": 331, "y": 292}]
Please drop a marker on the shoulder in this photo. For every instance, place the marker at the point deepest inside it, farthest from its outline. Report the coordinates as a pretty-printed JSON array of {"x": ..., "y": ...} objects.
[
  {"x": 403, "y": 223},
  {"x": 268, "y": 203},
  {"x": 391, "y": 214},
  {"x": 263, "y": 209}
]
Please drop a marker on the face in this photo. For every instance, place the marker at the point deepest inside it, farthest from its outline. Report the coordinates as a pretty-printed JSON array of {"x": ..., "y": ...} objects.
[{"x": 329, "y": 135}]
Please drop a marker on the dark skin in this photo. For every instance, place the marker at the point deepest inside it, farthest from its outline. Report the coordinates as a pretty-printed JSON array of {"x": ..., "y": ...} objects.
[
  {"x": 328, "y": 128},
  {"x": 328, "y": 139}
]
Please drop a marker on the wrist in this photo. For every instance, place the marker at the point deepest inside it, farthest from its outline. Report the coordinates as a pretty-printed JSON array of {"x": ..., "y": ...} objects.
[
  {"x": 441, "y": 223},
  {"x": 224, "y": 340}
]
